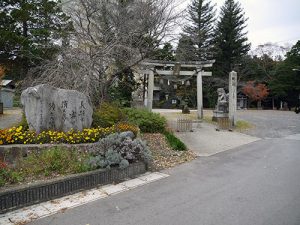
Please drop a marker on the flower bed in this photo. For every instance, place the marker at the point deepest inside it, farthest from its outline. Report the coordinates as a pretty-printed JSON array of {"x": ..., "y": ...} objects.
[
  {"x": 18, "y": 135},
  {"x": 115, "y": 150}
]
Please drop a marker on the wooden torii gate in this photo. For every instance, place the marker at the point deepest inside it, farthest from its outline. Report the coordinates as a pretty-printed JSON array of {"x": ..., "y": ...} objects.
[{"x": 150, "y": 67}]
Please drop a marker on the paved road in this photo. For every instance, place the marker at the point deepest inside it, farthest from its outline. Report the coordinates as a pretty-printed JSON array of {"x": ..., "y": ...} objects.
[
  {"x": 257, "y": 183},
  {"x": 206, "y": 141}
]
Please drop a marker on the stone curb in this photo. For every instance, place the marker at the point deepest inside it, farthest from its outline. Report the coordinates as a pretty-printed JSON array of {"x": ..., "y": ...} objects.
[
  {"x": 14, "y": 198},
  {"x": 45, "y": 209}
]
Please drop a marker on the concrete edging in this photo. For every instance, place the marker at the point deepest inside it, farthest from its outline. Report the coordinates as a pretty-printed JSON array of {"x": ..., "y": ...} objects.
[{"x": 25, "y": 195}]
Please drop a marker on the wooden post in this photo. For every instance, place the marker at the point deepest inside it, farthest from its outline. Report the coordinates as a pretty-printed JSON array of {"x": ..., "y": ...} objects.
[
  {"x": 150, "y": 90},
  {"x": 232, "y": 97},
  {"x": 199, "y": 96}
]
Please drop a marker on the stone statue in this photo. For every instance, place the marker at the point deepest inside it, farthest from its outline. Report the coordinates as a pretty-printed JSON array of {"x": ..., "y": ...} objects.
[
  {"x": 222, "y": 107},
  {"x": 222, "y": 104}
]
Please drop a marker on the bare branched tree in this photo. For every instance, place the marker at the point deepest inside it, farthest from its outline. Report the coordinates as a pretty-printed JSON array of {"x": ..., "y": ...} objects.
[{"x": 110, "y": 36}]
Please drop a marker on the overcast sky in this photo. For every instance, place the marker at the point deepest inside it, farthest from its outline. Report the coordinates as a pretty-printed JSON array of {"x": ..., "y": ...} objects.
[{"x": 276, "y": 21}]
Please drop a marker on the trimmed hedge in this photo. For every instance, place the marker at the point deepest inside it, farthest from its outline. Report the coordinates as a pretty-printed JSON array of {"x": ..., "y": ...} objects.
[
  {"x": 107, "y": 115},
  {"x": 148, "y": 122}
]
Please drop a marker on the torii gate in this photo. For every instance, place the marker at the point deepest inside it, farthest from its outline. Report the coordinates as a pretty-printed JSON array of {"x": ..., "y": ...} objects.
[{"x": 148, "y": 67}]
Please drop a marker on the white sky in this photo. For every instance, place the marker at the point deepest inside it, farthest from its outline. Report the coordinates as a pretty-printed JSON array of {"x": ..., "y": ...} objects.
[{"x": 276, "y": 21}]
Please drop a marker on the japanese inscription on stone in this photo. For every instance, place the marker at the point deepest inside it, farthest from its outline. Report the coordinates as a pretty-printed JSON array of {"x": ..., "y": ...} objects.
[{"x": 49, "y": 108}]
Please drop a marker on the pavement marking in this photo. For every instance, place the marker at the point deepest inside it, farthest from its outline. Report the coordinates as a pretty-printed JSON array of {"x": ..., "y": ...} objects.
[{"x": 31, "y": 213}]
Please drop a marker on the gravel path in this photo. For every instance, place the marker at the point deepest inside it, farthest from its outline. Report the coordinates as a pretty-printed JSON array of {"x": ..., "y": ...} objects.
[
  {"x": 268, "y": 123},
  {"x": 271, "y": 123},
  {"x": 10, "y": 118}
]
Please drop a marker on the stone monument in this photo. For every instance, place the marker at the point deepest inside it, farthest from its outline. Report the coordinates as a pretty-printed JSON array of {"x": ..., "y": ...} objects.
[
  {"x": 232, "y": 96},
  {"x": 50, "y": 108}
]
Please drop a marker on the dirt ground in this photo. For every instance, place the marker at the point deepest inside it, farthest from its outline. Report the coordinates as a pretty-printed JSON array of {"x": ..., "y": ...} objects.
[{"x": 10, "y": 117}]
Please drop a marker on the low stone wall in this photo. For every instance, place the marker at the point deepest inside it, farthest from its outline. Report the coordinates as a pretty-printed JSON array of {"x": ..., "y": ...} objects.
[
  {"x": 10, "y": 153},
  {"x": 25, "y": 195}
]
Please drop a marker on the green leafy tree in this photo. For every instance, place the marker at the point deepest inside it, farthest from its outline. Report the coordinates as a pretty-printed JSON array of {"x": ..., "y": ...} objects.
[
  {"x": 30, "y": 31},
  {"x": 201, "y": 17},
  {"x": 293, "y": 56},
  {"x": 286, "y": 82},
  {"x": 231, "y": 42}
]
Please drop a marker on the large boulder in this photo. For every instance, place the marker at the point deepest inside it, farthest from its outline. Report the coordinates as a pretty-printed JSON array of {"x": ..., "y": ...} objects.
[{"x": 50, "y": 108}]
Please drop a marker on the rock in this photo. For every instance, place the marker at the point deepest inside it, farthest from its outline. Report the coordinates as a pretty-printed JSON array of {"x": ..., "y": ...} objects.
[
  {"x": 127, "y": 134},
  {"x": 50, "y": 108}
]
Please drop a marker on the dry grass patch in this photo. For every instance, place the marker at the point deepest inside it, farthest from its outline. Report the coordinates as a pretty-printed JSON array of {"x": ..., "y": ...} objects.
[{"x": 242, "y": 125}]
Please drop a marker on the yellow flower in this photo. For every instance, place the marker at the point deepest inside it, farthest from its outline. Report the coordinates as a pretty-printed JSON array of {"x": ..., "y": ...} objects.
[{"x": 19, "y": 129}]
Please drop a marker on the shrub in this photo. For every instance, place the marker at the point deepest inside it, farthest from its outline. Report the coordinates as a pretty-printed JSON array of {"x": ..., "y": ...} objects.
[
  {"x": 24, "y": 123},
  {"x": 107, "y": 115},
  {"x": 19, "y": 135},
  {"x": 7, "y": 175},
  {"x": 148, "y": 122},
  {"x": 119, "y": 150},
  {"x": 174, "y": 142},
  {"x": 53, "y": 161}
]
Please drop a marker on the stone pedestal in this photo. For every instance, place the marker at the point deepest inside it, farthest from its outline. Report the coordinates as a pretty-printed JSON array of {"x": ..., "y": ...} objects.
[
  {"x": 224, "y": 123},
  {"x": 222, "y": 119},
  {"x": 219, "y": 114}
]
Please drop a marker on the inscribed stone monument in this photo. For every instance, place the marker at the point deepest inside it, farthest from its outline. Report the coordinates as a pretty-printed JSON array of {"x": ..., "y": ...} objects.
[
  {"x": 232, "y": 96},
  {"x": 50, "y": 108}
]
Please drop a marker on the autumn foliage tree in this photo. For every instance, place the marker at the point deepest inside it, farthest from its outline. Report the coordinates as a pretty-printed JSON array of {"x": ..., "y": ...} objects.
[{"x": 256, "y": 92}]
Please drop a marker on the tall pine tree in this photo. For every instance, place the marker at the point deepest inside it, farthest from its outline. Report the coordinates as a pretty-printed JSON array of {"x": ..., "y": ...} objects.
[
  {"x": 231, "y": 42},
  {"x": 201, "y": 15}
]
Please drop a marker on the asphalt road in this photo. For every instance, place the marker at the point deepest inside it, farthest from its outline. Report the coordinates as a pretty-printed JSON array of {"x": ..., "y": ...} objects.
[{"x": 255, "y": 184}]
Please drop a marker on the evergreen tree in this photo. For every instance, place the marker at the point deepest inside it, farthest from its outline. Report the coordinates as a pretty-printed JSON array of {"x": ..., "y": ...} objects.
[
  {"x": 186, "y": 51},
  {"x": 230, "y": 38},
  {"x": 165, "y": 53},
  {"x": 201, "y": 15},
  {"x": 30, "y": 31}
]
